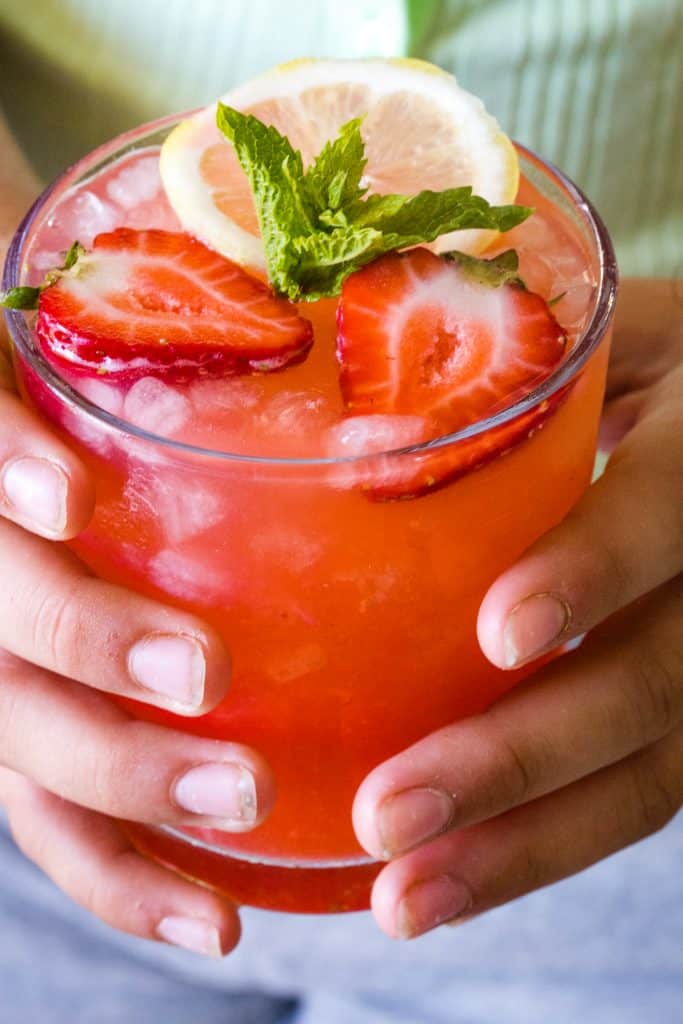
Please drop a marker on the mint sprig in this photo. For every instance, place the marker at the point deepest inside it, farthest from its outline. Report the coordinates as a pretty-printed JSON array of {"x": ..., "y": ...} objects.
[
  {"x": 320, "y": 225},
  {"x": 26, "y": 297}
]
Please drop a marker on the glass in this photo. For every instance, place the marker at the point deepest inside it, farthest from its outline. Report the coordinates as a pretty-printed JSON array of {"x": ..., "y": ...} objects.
[{"x": 351, "y": 621}]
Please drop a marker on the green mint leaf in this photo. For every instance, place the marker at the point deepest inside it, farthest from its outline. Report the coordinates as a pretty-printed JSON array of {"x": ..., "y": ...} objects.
[
  {"x": 20, "y": 298},
  {"x": 320, "y": 226},
  {"x": 430, "y": 214},
  {"x": 326, "y": 259},
  {"x": 334, "y": 178},
  {"x": 276, "y": 174},
  {"x": 499, "y": 270}
]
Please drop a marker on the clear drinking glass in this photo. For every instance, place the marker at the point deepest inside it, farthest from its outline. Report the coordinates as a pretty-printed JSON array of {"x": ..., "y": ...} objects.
[{"x": 351, "y": 621}]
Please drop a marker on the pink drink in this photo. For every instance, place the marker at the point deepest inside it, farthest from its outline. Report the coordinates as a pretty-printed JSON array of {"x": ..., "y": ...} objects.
[{"x": 351, "y": 622}]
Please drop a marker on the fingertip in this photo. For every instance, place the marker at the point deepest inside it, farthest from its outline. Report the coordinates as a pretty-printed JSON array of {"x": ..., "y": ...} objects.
[
  {"x": 214, "y": 935},
  {"x": 218, "y": 668},
  {"x": 44, "y": 486},
  {"x": 364, "y": 818},
  {"x": 80, "y": 498},
  {"x": 48, "y": 495},
  {"x": 264, "y": 782},
  {"x": 490, "y": 627},
  {"x": 384, "y": 901}
]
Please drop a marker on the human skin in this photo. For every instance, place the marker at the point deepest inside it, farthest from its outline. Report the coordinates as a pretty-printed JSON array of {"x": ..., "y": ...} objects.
[
  {"x": 70, "y": 759},
  {"x": 585, "y": 758},
  {"x": 590, "y": 749}
]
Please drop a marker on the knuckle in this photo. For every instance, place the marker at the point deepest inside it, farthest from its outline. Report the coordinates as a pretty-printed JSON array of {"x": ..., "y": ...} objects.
[
  {"x": 58, "y": 630},
  {"x": 512, "y": 768},
  {"x": 25, "y": 816},
  {"x": 615, "y": 572},
  {"x": 531, "y": 869},
  {"x": 655, "y": 798},
  {"x": 9, "y": 719},
  {"x": 123, "y": 775},
  {"x": 658, "y": 694}
]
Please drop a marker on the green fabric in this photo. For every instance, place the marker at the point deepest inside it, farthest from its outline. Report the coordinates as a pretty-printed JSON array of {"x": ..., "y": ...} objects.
[{"x": 593, "y": 85}]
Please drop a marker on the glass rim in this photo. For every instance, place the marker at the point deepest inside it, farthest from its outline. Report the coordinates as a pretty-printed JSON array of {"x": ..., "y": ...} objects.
[{"x": 21, "y": 333}]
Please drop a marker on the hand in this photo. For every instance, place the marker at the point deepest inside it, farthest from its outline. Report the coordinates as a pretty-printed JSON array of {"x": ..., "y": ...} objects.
[
  {"x": 72, "y": 760},
  {"x": 586, "y": 758}
]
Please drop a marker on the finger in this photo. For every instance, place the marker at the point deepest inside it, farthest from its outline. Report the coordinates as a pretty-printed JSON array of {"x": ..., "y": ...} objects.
[
  {"x": 43, "y": 486},
  {"x": 7, "y": 382},
  {"x": 99, "y": 757},
  {"x": 624, "y": 538},
  {"x": 56, "y": 615},
  {"x": 89, "y": 858},
  {"x": 622, "y": 691},
  {"x": 467, "y": 872},
  {"x": 618, "y": 418},
  {"x": 643, "y": 354}
]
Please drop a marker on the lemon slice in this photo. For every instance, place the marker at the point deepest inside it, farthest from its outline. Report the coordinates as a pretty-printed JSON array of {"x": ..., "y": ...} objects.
[{"x": 421, "y": 131}]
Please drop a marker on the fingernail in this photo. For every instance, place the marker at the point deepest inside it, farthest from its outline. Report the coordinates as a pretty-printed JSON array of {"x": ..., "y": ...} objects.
[
  {"x": 224, "y": 791},
  {"x": 36, "y": 489},
  {"x": 410, "y": 817},
  {"x": 534, "y": 626},
  {"x": 191, "y": 933},
  {"x": 171, "y": 664},
  {"x": 430, "y": 903}
]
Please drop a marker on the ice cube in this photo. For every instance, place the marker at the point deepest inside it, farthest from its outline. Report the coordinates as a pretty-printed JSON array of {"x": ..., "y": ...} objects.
[
  {"x": 94, "y": 435},
  {"x": 157, "y": 408},
  {"x": 190, "y": 577},
  {"x": 294, "y": 423},
  {"x": 105, "y": 396},
  {"x": 84, "y": 215},
  {"x": 136, "y": 182},
  {"x": 184, "y": 505},
  {"x": 365, "y": 435},
  {"x": 286, "y": 546},
  {"x": 227, "y": 396},
  {"x": 373, "y": 436},
  {"x": 43, "y": 260}
]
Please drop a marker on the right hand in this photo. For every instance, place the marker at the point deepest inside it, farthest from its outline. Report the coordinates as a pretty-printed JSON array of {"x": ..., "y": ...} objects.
[{"x": 72, "y": 761}]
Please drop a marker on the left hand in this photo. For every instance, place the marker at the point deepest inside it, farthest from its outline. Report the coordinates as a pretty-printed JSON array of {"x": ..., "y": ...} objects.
[{"x": 587, "y": 757}]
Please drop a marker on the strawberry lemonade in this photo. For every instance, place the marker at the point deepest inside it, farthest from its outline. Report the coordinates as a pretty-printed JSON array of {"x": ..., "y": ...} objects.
[{"x": 321, "y": 414}]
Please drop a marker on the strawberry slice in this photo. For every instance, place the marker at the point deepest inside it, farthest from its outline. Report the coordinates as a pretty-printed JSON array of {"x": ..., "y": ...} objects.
[
  {"x": 418, "y": 336},
  {"x": 161, "y": 303}
]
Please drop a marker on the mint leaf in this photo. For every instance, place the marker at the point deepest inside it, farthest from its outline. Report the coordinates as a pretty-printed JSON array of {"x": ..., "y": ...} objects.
[
  {"x": 334, "y": 178},
  {"x": 20, "y": 298},
  {"x": 276, "y": 174},
  {"x": 497, "y": 271},
  {"x": 320, "y": 226},
  {"x": 25, "y": 297},
  {"x": 430, "y": 214}
]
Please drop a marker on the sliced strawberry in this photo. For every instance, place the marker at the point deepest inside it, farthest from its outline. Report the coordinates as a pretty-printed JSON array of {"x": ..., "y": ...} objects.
[
  {"x": 161, "y": 303},
  {"x": 418, "y": 337}
]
